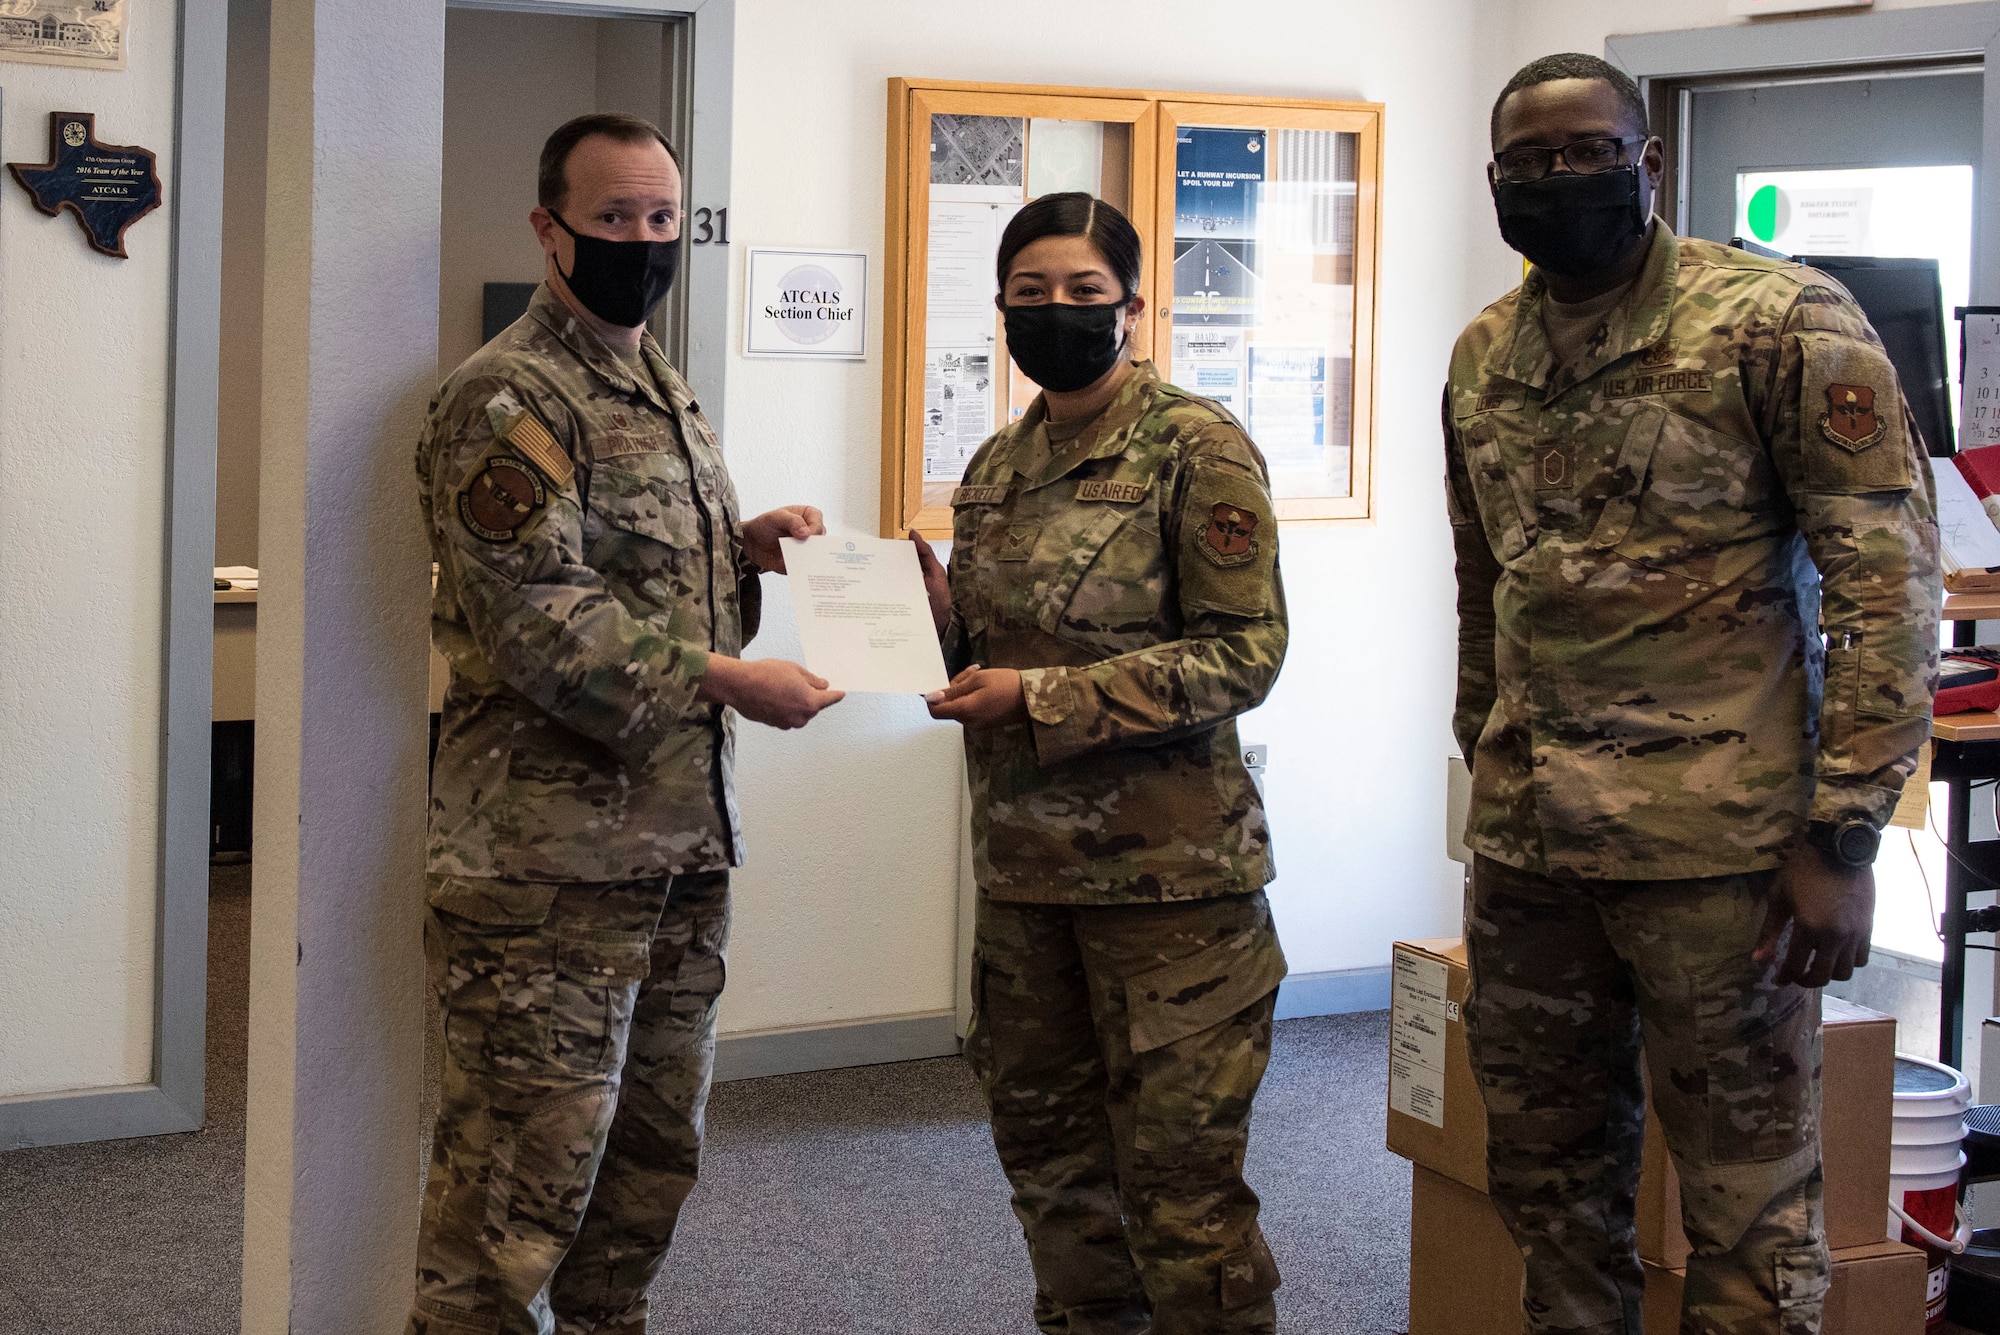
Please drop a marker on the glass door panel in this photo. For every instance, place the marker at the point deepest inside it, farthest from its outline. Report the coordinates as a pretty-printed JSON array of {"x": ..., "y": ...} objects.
[{"x": 1269, "y": 221}]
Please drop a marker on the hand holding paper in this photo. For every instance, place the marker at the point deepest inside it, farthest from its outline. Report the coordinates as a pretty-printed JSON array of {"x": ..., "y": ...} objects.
[{"x": 864, "y": 614}]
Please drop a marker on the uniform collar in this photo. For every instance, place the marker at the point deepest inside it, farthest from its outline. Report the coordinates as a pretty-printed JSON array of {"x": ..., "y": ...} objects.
[
  {"x": 1637, "y": 323},
  {"x": 1035, "y": 460},
  {"x": 601, "y": 361}
]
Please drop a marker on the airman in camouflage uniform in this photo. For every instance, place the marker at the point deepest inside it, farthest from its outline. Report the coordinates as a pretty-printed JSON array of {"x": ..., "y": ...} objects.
[
  {"x": 582, "y": 825},
  {"x": 1649, "y": 534},
  {"x": 1126, "y": 964}
]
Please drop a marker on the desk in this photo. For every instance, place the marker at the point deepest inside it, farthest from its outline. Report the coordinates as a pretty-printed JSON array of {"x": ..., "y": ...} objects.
[
  {"x": 233, "y": 713},
  {"x": 234, "y": 697}
]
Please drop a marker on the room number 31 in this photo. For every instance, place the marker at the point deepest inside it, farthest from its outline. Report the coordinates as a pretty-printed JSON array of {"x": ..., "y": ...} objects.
[{"x": 711, "y": 225}]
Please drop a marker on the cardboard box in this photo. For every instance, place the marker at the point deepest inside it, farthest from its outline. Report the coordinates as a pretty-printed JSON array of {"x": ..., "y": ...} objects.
[
  {"x": 1465, "y": 1274},
  {"x": 1436, "y": 1117},
  {"x": 1437, "y": 1120},
  {"x": 1877, "y": 1289}
]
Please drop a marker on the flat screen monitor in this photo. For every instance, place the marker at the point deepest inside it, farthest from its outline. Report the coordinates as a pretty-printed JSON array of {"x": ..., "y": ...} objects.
[{"x": 1905, "y": 303}]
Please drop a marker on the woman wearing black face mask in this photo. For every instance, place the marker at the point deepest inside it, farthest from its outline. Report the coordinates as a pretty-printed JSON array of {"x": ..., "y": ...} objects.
[{"x": 1113, "y": 603}]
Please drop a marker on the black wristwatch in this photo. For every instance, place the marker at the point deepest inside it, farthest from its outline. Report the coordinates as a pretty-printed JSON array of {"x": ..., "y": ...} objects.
[{"x": 1848, "y": 842}]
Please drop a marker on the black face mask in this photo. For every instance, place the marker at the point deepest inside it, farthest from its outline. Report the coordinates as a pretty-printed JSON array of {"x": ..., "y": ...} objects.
[
  {"x": 1572, "y": 225},
  {"x": 1064, "y": 348},
  {"x": 620, "y": 281}
]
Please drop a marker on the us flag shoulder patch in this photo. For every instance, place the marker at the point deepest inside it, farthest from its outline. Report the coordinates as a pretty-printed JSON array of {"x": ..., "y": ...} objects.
[{"x": 532, "y": 441}]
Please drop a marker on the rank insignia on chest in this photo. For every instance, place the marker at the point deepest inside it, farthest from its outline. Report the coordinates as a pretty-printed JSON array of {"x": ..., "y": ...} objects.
[
  {"x": 503, "y": 496},
  {"x": 1849, "y": 420},
  {"x": 1552, "y": 471},
  {"x": 1657, "y": 356},
  {"x": 1018, "y": 543},
  {"x": 1228, "y": 539}
]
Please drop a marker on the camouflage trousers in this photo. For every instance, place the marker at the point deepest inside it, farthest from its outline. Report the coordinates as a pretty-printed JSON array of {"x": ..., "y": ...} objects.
[
  {"x": 1119, "y": 1049},
  {"x": 579, "y": 1035},
  {"x": 1583, "y": 994}
]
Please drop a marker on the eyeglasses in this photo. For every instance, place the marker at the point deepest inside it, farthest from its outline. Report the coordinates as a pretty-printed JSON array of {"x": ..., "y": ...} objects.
[{"x": 1585, "y": 157}]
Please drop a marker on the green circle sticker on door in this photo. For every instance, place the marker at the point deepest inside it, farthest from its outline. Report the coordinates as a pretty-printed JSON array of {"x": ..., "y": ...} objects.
[{"x": 1764, "y": 208}]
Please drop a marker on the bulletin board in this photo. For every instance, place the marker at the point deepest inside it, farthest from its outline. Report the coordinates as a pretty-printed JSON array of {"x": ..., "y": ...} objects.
[{"x": 1260, "y": 220}]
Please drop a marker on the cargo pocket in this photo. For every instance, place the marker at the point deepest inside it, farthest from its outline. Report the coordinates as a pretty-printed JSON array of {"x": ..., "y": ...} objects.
[
  {"x": 1760, "y": 1050},
  {"x": 650, "y": 495},
  {"x": 1248, "y": 1274},
  {"x": 597, "y": 981},
  {"x": 1680, "y": 493},
  {"x": 704, "y": 969},
  {"x": 1501, "y": 505},
  {"x": 1800, "y": 1277},
  {"x": 978, "y": 1047},
  {"x": 1201, "y": 1041},
  {"x": 492, "y": 970}
]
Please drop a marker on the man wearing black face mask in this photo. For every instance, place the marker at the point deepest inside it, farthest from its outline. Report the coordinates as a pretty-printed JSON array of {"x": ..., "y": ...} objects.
[
  {"x": 595, "y": 588},
  {"x": 1669, "y": 466}
]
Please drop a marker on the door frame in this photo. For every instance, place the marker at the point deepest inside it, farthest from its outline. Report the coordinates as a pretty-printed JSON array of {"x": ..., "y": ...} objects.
[
  {"x": 1842, "y": 45},
  {"x": 172, "y": 1100},
  {"x": 699, "y": 122}
]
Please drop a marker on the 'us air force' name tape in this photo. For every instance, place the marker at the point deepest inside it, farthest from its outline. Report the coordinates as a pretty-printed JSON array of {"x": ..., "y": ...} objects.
[
  {"x": 534, "y": 443},
  {"x": 1122, "y": 493}
]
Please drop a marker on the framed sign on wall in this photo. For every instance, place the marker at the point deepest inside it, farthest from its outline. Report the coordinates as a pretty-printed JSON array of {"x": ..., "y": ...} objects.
[
  {"x": 806, "y": 303},
  {"x": 1260, "y": 220}
]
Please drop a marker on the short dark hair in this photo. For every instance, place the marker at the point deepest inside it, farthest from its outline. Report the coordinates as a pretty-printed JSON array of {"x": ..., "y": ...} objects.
[
  {"x": 552, "y": 180},
  {"x": 1574, "y": 65},
  {"x": 1074, "y": 213}
]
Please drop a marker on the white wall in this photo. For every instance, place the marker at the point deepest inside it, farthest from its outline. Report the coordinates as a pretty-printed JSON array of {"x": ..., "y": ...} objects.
[
  {"x": 83, "y": 471},
  {"x": 846, "y": 907}
]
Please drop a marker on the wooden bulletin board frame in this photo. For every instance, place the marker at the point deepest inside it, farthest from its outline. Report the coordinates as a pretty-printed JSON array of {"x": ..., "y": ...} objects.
[{"x": 1153, "y": 117}]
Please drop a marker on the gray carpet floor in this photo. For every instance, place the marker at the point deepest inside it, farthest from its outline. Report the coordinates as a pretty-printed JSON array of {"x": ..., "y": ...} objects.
[{"x": 863, "y": 1200}]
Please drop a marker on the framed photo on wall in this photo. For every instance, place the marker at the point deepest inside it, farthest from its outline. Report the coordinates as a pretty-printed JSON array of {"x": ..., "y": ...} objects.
[{"x": 1260, "y": 219}]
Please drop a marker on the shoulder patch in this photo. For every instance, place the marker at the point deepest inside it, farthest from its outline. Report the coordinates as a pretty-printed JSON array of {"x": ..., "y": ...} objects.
[
  {"x": 1121, "y": 493},
  {"x": 501, "y": 497},
  {"x": 1849, "y": 420},
  {"x": 1852, "y": 430},
  {"x": 1228, "y": 539},
  {"x": 986, "y": 495},
  {"x": 535, "y": 444}
]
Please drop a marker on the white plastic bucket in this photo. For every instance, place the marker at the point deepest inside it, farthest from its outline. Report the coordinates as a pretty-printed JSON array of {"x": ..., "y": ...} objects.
[{"x": 1925, "y": 1159}]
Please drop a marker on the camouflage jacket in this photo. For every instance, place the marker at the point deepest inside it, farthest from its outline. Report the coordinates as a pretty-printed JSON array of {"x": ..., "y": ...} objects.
[
  {"x": 589, "y": 560},
  {"x": 1646, "y": 539},
  {"x": 1133, "y": 577}
]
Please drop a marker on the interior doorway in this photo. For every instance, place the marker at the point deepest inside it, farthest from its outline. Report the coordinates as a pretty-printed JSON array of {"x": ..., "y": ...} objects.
[
  {"x": 572, "y": 64},
  {"x": 1875, "y": 163},
  {"x": 1871, "y": 162}
]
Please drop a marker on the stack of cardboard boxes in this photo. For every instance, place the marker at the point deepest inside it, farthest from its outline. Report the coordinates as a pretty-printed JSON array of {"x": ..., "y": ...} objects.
[{"x": 1465, "y": 1273}]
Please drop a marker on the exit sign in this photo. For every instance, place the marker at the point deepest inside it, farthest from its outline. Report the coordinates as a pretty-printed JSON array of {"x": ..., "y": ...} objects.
[{"x": 1753, "y": 8}]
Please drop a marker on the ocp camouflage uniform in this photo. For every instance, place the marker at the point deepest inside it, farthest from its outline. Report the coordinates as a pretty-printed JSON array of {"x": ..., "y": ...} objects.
[
  {"x": 1646, "y": 539},
  {"x": 582, "y": 823},
  {"x": 1126, "y": 965}
]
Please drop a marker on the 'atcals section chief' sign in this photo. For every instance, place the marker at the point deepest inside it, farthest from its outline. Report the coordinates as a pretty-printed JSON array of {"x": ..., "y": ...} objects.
[{"x": 806, "y": 303}]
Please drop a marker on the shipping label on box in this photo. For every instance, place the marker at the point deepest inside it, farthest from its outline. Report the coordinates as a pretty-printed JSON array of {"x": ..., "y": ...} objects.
[{"x": 1418, "y": 1008}]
